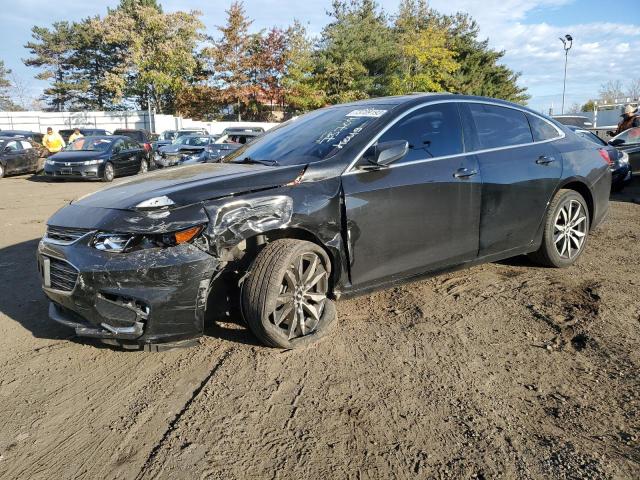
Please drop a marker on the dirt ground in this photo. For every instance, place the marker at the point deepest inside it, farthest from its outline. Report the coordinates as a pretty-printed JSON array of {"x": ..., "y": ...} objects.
[{"x": 505, "y": 370}]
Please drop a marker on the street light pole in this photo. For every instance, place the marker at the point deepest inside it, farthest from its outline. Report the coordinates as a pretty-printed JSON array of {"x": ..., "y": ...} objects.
[{"x": 567, "y": 43}]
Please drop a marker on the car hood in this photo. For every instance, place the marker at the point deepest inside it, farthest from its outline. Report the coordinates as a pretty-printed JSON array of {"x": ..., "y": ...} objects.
[
  {"x": 192, "y": 184},
  {"x": 77, "y": 156}
]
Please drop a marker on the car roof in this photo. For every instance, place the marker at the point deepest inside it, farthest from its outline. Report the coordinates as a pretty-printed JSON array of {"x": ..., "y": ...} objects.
[
  {"x": 108, "y": 137},
  {"x": 19, "y": 132},
  {"x": 418, "y": 98}
]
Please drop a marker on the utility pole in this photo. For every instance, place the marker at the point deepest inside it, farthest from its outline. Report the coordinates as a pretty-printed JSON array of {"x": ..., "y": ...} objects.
[{"x": 567, "y": 42}]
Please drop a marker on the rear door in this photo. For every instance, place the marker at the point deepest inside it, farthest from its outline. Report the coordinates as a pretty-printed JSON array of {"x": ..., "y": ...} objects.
[
  {"x": 423, "y": 211},
  {"x": 31, "y": 156},
  {"x": 134, "y": 155},
  {"x": 119, "y": 157},
  {"x": 519, "y": 174}
]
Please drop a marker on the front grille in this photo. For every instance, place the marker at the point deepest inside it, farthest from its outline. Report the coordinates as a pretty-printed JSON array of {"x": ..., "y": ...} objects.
[
  {"x": 65, "y": 235},
  {"x": 63, "y": 275}
]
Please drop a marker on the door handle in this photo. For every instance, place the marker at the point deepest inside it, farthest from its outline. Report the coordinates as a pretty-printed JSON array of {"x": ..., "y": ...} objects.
[
  {"x": 545, "y": 160},
  {"x": 465, "y": 173}
]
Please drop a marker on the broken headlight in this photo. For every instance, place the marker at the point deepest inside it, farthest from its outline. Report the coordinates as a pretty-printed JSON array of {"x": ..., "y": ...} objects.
[{"x": 129, "y": 242}]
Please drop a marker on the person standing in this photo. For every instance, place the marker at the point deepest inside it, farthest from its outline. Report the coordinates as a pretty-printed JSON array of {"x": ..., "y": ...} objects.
[
  {"x": 630, "y": 119},
  {"x": 75, "y": 135},
  {"x": 52, "y": 141}
]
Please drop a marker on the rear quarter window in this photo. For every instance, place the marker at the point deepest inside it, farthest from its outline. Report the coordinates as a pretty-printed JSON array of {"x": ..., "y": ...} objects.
[{"x": 541, "y": 129}]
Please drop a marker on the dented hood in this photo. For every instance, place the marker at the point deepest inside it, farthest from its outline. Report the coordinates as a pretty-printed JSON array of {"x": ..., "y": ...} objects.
[{"x": 191, "y": 184}]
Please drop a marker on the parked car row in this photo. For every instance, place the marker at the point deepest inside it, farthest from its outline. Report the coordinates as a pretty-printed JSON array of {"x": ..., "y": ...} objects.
[
  {"x": 102, "y": 155},
  {"x": 199, "y": 148}
]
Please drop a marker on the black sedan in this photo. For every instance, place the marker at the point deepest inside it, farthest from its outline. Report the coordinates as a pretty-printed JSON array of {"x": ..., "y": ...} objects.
[
  {"x": 629, "y": 142},
  {"x": 98, "y": 158},
  {"x": 621, "y": 174},
  {"x": 17, "y": 155},
  {"x": 335, "y": 203}
]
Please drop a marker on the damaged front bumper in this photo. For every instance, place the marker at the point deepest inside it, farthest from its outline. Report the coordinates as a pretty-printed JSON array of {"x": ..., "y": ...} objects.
[{"x": 144, "y": 297}]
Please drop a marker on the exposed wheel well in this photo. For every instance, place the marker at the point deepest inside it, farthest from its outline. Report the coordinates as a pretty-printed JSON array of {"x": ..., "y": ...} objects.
[
  {"x": 256, "y": 243},
  {"x": 583, "y": 190}
]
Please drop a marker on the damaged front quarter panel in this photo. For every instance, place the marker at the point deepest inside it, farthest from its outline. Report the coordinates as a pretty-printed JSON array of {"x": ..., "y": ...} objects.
[{"x": 237, "y": 220}]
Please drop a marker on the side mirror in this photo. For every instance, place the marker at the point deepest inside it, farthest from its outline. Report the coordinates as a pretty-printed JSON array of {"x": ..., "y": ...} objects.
[
  {"x": 388, "y": 152},
  {"x": 616, "y": 142}
]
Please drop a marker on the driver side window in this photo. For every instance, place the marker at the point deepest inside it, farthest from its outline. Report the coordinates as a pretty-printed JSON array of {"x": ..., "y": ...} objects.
[
  {"x": 118, "y": 147},
  {"x": 432, "y": 131}
]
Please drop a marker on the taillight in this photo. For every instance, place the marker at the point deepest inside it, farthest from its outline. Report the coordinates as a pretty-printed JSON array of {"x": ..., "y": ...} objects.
[{"x": 605, "y": 156}]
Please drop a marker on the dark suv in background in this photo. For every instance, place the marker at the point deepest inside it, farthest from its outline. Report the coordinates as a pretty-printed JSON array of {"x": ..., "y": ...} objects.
[{"x": 140, "y": 135}]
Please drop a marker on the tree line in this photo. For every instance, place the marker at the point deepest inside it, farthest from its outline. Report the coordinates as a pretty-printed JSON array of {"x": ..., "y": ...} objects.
[{"x": 138, "y": 56}]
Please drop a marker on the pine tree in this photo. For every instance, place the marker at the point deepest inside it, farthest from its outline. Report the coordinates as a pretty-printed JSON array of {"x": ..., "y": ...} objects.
[
  {"x": 51, "y": 50},
  {"x": 231, "y": 60},
  {"x": 6, "y": 102}
]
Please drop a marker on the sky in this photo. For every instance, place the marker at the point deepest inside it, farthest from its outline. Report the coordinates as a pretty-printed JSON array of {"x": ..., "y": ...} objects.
[{"x": 606, "y": 40}]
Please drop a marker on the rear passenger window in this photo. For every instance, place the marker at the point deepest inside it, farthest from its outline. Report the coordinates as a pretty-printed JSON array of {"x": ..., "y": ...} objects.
[
  {"x": 432, "y": 131},
  {"x": 541, "y": 129},
  {"x": 26, "y": 145},
  {"x": 500, "y": 126}
]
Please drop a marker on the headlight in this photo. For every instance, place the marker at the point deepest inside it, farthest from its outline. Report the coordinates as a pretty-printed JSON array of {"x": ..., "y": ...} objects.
[
  {"x": 92, "y": 162},
  {"x": 624, "y": 158},
  {"x": 50, "y": 162},
  {"x": 118, "y": 242}
]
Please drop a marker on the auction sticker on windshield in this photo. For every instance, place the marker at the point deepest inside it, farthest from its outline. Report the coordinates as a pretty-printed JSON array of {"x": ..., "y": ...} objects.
[{"x": 367, "y": 112}]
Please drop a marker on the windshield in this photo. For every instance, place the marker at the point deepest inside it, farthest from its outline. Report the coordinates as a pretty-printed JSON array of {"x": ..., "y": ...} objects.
[
  {"x": 168, "y": 135},
  {"x": 315, "y": 136},
  {"x": 629, "y": 136},
  {"x": 90, "y": 144},
  {"x": 194, "y": 141}
]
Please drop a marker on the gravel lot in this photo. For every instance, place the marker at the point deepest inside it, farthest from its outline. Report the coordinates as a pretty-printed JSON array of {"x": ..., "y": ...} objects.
[{"x": 505, "y": 370}]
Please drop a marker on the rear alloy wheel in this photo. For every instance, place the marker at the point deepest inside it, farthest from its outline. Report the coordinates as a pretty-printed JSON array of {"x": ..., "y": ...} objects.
[
  {"x": 144, "y": 166},
  {"x": 109, "y": 173},
  {"x": 1, "y": 170},
  {"x": 566, "y": 230},
  {"x": 285, "y": 296}
]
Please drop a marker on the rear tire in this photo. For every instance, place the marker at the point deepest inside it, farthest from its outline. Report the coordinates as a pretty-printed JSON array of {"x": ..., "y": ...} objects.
[
  {"x": 566, "y": 230},
  {"x": 284, "y": 297},
  {"x": 109, "y": 173}
]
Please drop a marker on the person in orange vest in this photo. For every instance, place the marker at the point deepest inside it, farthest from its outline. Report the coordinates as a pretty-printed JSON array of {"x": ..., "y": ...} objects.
[{"x": 53, "y": 141}]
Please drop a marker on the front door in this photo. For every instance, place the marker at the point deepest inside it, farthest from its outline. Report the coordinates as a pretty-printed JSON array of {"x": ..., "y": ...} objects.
[
  {"x": 422, "y": 212},
  {"x": 520, "y": 172},
  {"x": 15, "y": 158}
]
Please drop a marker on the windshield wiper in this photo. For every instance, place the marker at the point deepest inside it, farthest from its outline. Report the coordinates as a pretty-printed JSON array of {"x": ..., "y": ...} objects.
[{"x": 253, "y": 161}]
